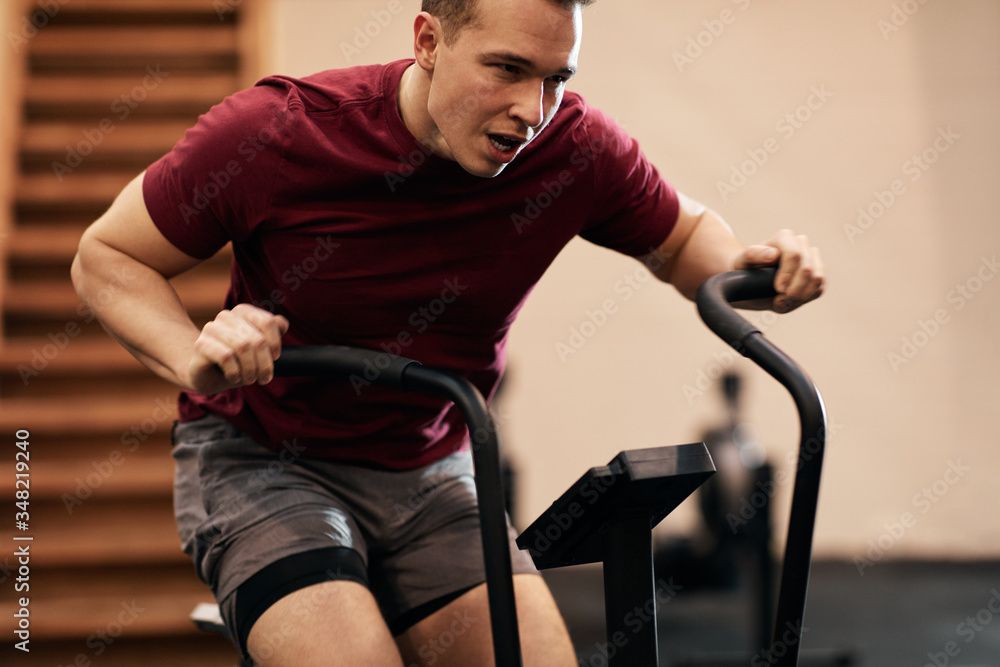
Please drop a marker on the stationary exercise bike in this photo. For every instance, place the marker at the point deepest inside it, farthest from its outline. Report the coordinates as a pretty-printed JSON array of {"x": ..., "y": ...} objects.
[{"x": 608, "y": 515}]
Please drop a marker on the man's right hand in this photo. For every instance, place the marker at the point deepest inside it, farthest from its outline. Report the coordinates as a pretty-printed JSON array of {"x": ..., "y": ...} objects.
[{"x": 236, "y": 349}]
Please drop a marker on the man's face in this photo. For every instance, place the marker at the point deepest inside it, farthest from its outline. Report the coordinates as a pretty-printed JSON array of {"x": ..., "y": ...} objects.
[{"x": 500, "y": 81}]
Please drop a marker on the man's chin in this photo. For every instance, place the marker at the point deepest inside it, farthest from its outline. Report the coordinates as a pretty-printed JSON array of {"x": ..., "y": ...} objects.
[{"x": 484, "y": 171}]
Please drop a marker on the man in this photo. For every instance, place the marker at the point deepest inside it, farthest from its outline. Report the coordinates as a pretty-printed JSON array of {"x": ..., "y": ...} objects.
[{"x": 386, "y": 207}]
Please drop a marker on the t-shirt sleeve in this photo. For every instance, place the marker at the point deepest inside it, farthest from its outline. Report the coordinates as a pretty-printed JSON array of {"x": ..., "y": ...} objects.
[
  {"x": 634, "y": 209},
  {"x": 215, "y": 185}
]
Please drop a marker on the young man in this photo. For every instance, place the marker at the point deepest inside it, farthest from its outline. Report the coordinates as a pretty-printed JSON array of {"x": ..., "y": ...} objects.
[{"x": 382, "y": 207}]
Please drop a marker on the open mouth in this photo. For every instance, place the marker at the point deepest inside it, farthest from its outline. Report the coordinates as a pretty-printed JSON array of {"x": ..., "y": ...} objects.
[{"x": 504, "y": 144}]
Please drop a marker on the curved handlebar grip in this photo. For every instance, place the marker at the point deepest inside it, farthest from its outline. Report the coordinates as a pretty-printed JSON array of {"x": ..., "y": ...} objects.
[
  {"x": 713, "y": 299},
  {"x": 717, "y": 293},
  {"x": 340, "y": 362}
]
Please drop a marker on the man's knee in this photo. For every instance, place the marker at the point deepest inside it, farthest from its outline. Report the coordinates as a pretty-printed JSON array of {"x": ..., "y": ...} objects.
[{"x": 331, "y": 623}]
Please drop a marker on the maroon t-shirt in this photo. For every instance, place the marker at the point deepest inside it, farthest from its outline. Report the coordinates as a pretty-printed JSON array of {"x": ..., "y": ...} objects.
[{"x": 345, "y": 224}]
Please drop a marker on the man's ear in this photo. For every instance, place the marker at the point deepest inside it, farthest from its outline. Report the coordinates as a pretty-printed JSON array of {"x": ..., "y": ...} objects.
[{"x": 427, "y": 37}]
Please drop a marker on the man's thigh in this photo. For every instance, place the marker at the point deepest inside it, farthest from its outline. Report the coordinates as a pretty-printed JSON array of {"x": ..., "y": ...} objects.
[
  {"x": 459, "y": 635},
  {"x": 330, "y": 624}
]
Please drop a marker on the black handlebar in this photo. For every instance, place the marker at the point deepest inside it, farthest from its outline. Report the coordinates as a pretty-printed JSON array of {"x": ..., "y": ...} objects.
[
  {"x": 343, "y": 363},
  {"x": 713, "y": 300}
]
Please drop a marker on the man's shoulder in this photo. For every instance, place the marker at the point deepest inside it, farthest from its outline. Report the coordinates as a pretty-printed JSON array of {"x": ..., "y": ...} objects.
[
  {"x": 576, "y": 115},
  {"x": 330, "y": 90}
]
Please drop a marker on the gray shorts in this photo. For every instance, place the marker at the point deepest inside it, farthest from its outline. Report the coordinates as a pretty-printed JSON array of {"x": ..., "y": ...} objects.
[{"x": 261, "y": 524}]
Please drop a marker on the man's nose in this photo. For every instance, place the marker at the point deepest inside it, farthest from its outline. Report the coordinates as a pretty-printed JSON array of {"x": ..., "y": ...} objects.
[{"x": 529, "y": 103}]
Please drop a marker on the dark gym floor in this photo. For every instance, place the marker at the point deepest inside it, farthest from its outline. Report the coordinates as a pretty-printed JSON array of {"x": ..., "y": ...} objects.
[{"x": 906, "y": 614}]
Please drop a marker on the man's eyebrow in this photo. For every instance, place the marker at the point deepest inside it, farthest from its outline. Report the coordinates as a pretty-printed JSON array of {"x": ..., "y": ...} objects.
[{"x": 515, "y": 59}]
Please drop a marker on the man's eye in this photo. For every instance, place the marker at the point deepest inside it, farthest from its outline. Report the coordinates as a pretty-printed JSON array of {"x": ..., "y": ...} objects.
[{"x": 509, "y": 69}]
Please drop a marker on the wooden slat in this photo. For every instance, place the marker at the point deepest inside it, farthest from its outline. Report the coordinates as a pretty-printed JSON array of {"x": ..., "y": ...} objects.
[
  {"x": 200, "y": 293},
  {"x": 164, "y": 614},
  {"x": 55, "y": 139},
  {"x": 147, "y": 41},
  {"x": 45, "y": 243},
  {"x": 100, "y": 533},
  {"x": 74, "y": 188},
  {"x": 82, "y": 355},
  {"x": 74, "y": 91},
  {"x": 153, "y": 6},
  {"x": 135, "y": 476},
  {"x": 86, "y": 414},
  {"x": 191, "y": 649},
  {"x": 59, "y": 241}
]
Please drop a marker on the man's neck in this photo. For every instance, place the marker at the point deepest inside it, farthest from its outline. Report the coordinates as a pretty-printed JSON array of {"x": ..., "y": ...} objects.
[{"x": 411, "y": 100}]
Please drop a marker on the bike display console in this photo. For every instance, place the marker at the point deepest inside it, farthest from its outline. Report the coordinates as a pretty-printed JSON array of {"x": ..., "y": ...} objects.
[
  {"x": 649, "y": 483},
  {"x": 608, "y": 517}
]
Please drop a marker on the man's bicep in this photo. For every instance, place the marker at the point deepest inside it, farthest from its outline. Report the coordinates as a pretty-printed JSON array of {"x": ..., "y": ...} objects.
[{"x": 128, "y": 228}]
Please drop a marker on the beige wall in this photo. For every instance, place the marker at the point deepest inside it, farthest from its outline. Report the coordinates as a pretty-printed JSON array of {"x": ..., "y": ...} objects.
[{"x": 889, "y": 95}]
